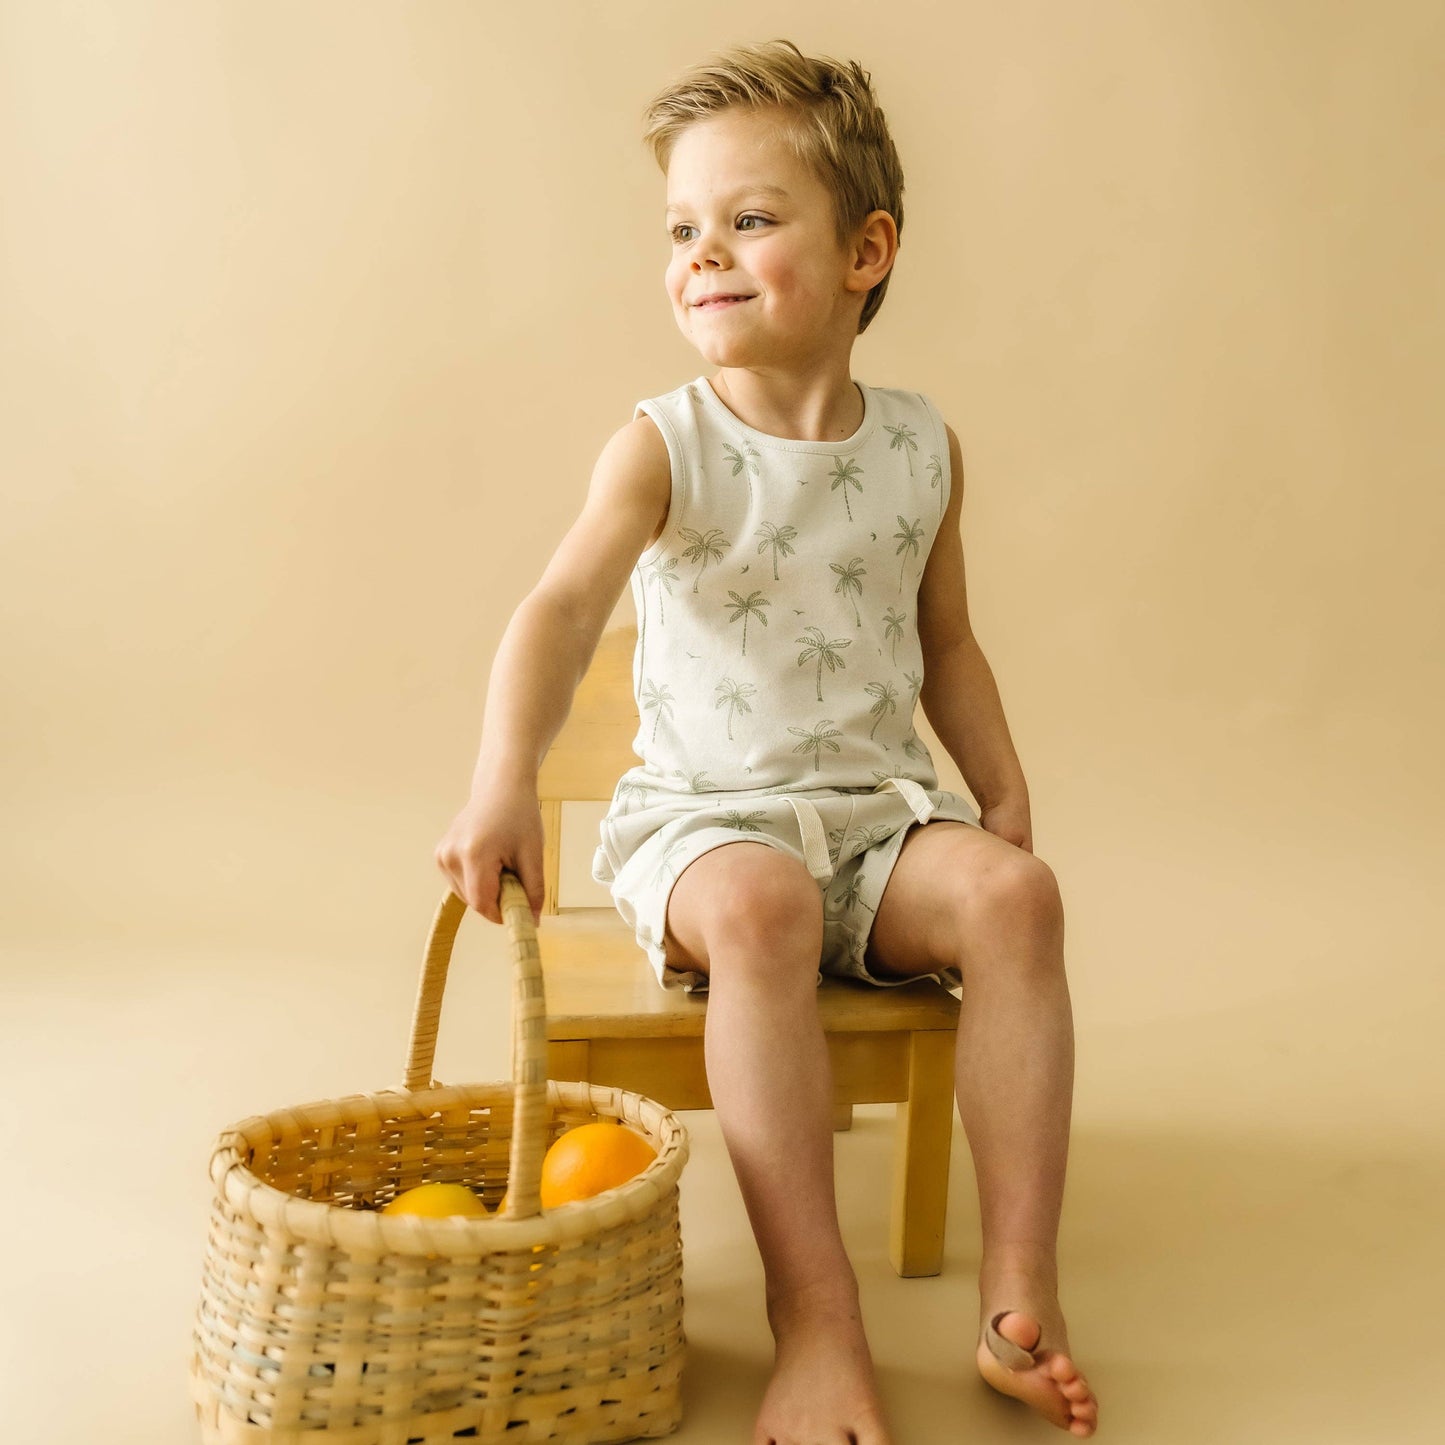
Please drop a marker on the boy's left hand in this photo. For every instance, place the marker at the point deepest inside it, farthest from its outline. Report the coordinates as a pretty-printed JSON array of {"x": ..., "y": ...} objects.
[{"x": 1009, "y": 819}]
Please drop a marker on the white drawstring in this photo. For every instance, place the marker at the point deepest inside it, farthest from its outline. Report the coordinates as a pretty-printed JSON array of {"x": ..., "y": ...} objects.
[
  {"x": 816, "y": 857},
  {"x": 914, "y": 795}
]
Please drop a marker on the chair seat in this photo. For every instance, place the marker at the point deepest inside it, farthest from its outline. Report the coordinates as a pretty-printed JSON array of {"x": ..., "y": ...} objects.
[{"x": 600, "y": 984}]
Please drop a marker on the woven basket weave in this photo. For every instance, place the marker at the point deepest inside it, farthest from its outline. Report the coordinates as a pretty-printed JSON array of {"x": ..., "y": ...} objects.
[{"x": 324, "y": 1322}]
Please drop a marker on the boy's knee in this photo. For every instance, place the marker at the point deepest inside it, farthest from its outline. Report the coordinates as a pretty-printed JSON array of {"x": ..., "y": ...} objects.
[
  {"x": 754, "y": 902},
  {"x": 776, "y": 902},
  {"x": 1023, "y": 891}
]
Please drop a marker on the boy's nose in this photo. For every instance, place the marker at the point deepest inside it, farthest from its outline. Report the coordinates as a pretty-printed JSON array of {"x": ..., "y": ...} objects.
[
  {"x": 709, "y": 250},
  {"x": 711, "y": 258}
]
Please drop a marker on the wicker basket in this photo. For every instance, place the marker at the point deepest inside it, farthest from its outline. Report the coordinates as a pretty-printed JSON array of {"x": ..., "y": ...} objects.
[{"x": 323, "y": 1320}]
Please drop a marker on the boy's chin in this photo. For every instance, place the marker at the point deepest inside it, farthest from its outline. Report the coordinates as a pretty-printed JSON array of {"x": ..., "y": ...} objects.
[{"x": 724, "y": 355}]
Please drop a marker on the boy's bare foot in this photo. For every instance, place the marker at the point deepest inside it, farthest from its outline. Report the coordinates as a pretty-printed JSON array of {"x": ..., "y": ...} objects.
[
  {"x": 823, "y": 1390},
  {"x": 1053, "y": 1386}
]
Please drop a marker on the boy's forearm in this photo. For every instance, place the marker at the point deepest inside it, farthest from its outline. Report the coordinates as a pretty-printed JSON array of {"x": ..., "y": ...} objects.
[
  {"x": 540, "y": 660},
  {"x": 961, "y": 702}
]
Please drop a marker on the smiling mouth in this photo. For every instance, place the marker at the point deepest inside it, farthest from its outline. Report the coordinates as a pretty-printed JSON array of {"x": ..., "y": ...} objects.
[{"x": 714, "y": 305}]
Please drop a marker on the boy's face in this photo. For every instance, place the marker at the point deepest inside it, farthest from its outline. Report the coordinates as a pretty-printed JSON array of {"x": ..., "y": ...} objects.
[{"x": 729, "y": 235}]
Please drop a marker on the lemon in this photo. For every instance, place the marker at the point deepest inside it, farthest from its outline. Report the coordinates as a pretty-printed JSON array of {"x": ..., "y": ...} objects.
[{"x": 438, "y": 1201}]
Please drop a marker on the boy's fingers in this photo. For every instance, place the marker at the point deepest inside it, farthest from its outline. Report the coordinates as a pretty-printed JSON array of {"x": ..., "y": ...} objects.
[
  {"x": 530, "y": 873},
  {"x": 454, "y": 870},
  {"x": 478, "y": 883},
  {"x": 493, "y": 891},
  {"x": 483, "y": 888}
]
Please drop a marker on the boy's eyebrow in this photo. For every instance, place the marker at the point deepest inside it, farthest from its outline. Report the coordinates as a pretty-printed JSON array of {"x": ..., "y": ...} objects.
[{"x": 777, "y": 192}]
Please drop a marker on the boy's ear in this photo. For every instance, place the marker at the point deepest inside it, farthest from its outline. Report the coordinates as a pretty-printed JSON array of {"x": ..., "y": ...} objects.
[{"x": 875, "y": 249}]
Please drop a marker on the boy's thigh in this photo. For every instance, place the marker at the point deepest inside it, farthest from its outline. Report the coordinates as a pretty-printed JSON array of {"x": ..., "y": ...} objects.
[
  {"x": 940, "y": 868},
  {"x": 747, "y": 891}
]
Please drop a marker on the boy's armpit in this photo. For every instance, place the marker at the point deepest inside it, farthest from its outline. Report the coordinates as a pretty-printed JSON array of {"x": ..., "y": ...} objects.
[{"x": 626, "y": 509}]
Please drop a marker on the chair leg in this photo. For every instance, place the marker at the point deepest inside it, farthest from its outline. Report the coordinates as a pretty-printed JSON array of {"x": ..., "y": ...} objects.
[{"x": 920, "y": 1159}]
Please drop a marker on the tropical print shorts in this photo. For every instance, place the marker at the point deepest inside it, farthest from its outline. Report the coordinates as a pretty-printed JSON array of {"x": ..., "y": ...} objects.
[{"x": 848, "y": 839}]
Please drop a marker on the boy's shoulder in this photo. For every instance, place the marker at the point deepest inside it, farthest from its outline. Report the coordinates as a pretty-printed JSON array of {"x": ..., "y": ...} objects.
[
  {"x": 684, "y": 391},
  {"x": 902, "y": 400},
  {"x": 903, "y": 395}
]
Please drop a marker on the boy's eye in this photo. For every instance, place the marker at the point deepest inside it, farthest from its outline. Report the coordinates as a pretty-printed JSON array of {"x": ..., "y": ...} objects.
[{"x": 685, "y": 227}]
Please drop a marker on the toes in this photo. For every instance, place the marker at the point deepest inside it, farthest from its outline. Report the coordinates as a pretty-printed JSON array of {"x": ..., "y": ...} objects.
[
  {"x": 1075, "y": 1389},
  {"x": 1063, "y": 1369}
]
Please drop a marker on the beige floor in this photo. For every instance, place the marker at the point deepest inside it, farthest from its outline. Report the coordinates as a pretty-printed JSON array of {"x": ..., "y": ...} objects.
[{"x": 1258, "y": 1260}]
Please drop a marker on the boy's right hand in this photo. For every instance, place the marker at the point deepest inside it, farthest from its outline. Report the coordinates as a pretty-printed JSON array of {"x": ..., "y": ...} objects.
[{"x": 499, "y": 828}]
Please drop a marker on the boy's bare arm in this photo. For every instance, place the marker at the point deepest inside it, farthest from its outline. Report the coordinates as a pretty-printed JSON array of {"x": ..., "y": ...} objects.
[
  {"x": 542, "y": 656},
  {"x": 959, "y": 696}
]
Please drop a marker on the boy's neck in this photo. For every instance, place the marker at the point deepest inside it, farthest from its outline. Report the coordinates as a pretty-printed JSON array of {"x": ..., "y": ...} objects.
[{"x": 816, "y": 407}]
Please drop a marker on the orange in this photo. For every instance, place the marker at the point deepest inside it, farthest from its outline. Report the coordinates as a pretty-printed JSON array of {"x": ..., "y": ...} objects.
[
  {"x": 590, "y": 1158},
  {"x": 437, "y": 1201}
]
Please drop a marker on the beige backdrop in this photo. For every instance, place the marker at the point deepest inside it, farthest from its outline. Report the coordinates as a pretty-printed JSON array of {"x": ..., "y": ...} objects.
[{"x": 314, "y": 318}]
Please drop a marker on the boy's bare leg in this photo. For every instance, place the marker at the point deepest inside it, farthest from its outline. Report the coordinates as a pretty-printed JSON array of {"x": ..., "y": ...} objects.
[
  {"x": 751, "y": 919},
  {"x": 959, "y": 895}
]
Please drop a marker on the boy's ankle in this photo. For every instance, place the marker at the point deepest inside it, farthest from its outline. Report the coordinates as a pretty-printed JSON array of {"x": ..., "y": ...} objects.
[
  {"x": 829, "y": 1297},
  {"x": 1035, "y": 1261}
]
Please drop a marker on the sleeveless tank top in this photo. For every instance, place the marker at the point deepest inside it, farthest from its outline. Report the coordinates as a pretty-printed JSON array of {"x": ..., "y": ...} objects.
[{"x": 777, "y": 642}]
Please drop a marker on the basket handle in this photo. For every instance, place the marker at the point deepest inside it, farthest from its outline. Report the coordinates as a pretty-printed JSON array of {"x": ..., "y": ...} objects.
[{"x": 529, "y": 1033}]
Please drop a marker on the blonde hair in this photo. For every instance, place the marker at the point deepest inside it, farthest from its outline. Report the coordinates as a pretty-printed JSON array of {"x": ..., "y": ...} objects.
[{"x": 827, "y": 115}]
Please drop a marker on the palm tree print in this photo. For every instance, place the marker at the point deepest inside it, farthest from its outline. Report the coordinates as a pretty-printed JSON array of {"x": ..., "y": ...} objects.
[
  {"x": 744, "y": 461},
  {"x": 779, "y": 539},
  {"x": 845, "y": 474},
  {"x": 915, "y": 686},
  {"x": 848, "y": 583},
  {"x": 696, "y": 782},
  {"x": 814, "y": 742},
  {"x": 893, "y": 628},
  {"x": 664, "y": 869},
  {"x": 709, "y": 547},
  {"x": 741, "y": 821},
  {"x": 816, "y": 645},
  {"x": 663, "y": 576},
  {"x": 750, "y": 606},
  {"x": 909, "y": 539},
  {"x": 903, "y": 438},
  {"x": 850, "y": 897},
  {"x": 633, "y": 788},
  {"x": 935, "y": 479},
  {"x": 886, "y": 694},
  {"x": 913, "y": 746},
  {"x": 867, "y": 838},
  {"x": 659, "y": 697},
  {"x": 734, "y": 695}
]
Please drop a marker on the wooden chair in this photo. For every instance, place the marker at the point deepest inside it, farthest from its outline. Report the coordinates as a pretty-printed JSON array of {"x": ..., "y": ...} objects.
[{"x": 610, "y": 1022}]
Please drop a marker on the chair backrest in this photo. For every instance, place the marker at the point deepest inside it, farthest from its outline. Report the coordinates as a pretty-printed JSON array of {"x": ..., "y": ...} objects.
[{"x": 594, "y": 748}]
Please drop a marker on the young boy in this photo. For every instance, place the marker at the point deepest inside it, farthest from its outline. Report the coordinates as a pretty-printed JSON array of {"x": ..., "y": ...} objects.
[{"x": 768, "y": 831}]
